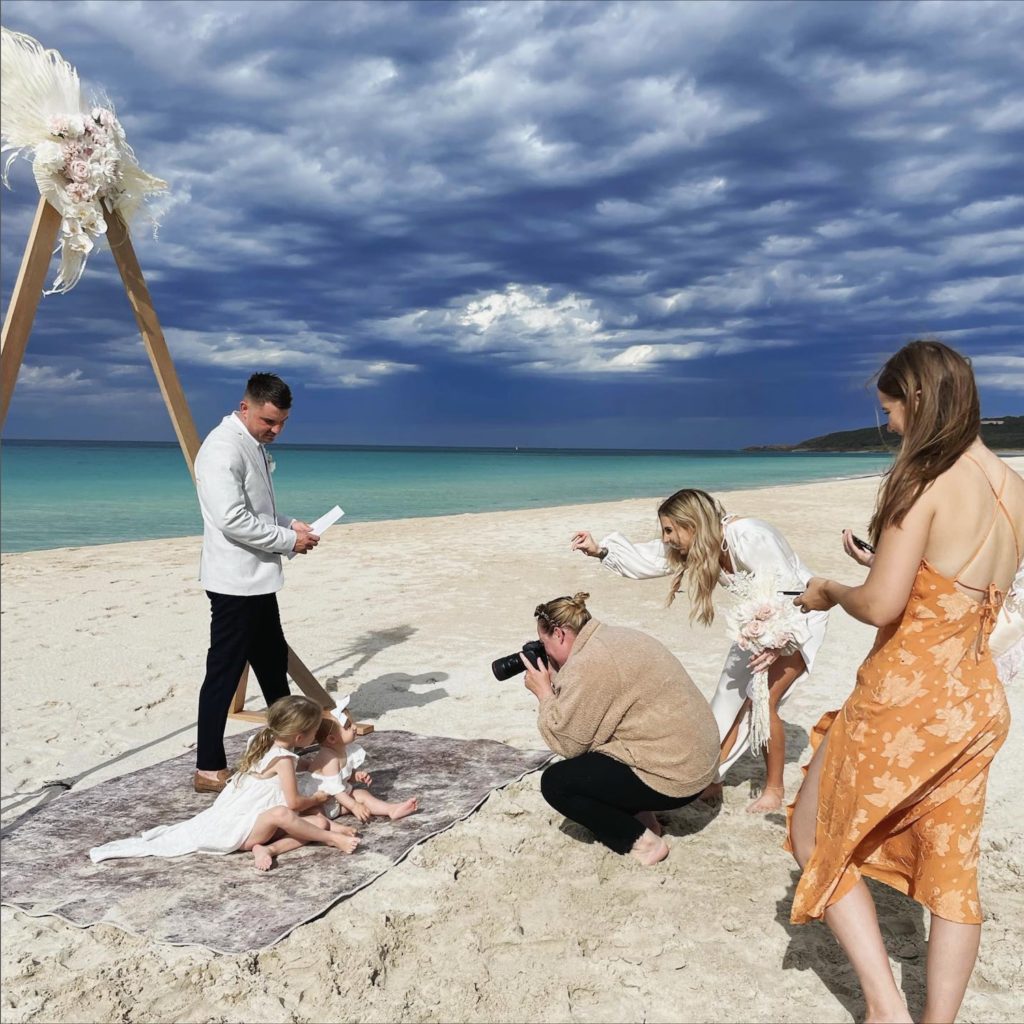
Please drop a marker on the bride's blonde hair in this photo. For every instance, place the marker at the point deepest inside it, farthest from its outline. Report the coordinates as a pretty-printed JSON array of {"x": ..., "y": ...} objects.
[
  {"x": 701, "y": 566},
  {"x": 286, "y": 719}
]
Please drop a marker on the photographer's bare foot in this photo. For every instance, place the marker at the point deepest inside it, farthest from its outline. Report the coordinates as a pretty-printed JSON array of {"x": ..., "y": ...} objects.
[
  {"x": 712, "y": 794},
  {"x": 261, "y": 858},
  {"x": 343, "y": 830},
  {"x": 347, "y": 844},
  {"x": 404, "y": 809},
  {"x": 649, "y": 849},
  {"x": 649, "y": 821},
  {"x": 769, "y": 800}
]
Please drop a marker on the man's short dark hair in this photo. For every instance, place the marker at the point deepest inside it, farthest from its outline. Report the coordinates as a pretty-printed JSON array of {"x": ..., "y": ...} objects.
[{"x": 268, "y": 387}]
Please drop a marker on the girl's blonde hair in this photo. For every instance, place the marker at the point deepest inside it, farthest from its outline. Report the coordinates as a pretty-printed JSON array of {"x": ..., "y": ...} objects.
[
  {"x": 943, "y": 418},
  {"x": 563, "y": 612},
  {"x": 702, "y": 565},
  {"x": 286, "y": 718}
]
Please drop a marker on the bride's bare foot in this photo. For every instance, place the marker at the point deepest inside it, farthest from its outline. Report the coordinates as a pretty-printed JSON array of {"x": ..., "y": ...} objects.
[
  {"x": 340, "y": 841},
  {"x": 649, "y": 821},
  {"x": 261, "y": 858},
  {"x": 343, "y": 830},
  {"x": 649, "y": 849},
  {"x": 712, "y": 794},
  {"x": 769, "y": 800},
  {"x": 403, "y": 809}
]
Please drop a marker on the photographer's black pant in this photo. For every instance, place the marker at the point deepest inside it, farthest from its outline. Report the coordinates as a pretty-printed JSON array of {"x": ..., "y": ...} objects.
[
  {"x": 242, "y": 629},
  {"x": 603, "y": 794}
]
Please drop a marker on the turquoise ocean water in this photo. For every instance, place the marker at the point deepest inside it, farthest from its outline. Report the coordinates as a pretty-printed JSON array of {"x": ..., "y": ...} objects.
[{"x": 70, "y": 494}]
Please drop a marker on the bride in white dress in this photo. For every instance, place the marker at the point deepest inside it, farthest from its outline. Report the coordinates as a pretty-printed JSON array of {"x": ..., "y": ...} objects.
[
  {"x": 702, "y": 546},
  {"x": 260, "y": 809}
]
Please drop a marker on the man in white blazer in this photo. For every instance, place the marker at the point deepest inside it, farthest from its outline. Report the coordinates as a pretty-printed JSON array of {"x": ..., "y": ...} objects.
[{"x": 240, "y": 568}]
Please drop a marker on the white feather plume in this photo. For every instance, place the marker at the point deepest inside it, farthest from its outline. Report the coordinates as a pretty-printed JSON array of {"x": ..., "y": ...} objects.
[
  {"x": 36, "y": 85},
  {"x": 82, "y": 163}
]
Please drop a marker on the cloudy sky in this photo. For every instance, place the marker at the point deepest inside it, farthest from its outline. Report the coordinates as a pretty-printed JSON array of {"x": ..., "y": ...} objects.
[{"x": 664, "y": 225}]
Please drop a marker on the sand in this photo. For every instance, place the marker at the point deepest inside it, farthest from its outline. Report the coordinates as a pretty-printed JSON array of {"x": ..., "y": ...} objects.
[{"x": 509, "y": 916}]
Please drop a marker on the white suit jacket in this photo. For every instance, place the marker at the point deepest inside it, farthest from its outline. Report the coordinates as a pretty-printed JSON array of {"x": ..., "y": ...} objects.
[{"x": 243, "y": 536}]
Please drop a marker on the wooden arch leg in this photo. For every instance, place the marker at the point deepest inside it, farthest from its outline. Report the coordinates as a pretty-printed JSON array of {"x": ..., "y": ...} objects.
[{"x": 28, "y": 290}]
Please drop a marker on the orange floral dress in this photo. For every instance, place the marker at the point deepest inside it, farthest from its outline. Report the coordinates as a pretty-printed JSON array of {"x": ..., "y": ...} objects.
[{"x": 902, "y": 789}]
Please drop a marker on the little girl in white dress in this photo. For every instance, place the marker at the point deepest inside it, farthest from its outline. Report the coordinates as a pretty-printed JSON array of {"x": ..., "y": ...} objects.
[
  {"x": 335, "y": 764},
  {"x": 260, "y": 809}
]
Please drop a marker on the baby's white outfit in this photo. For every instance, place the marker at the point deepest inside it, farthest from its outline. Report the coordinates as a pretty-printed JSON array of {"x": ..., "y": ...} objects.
[
  {"x": 311, "y": 782},
  {"x": 221, "y": 828}
]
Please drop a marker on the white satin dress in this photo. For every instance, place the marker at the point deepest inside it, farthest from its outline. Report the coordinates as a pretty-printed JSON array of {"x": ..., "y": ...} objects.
[
  {"x": 756, "y": 547},
  {"x": 222, "y": 828}
]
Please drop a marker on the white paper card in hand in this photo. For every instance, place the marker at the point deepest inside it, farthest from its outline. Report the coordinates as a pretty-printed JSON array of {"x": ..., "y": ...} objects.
[{"x": 326, "y": 520}]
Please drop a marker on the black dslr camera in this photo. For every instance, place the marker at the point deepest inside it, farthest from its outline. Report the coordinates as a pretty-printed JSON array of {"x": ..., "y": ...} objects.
[{"x": 512, "y": 664}]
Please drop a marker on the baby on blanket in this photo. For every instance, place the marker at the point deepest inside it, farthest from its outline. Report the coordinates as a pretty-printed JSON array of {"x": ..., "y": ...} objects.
[{"x": 335, "y": 766}]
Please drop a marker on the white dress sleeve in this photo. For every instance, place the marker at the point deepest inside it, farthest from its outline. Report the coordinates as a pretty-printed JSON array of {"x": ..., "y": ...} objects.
[{"x": 642, "y": 561}]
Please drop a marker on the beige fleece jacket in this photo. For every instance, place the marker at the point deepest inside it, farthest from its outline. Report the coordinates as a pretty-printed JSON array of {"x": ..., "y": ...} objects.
[{"x": 624, "y": 694}]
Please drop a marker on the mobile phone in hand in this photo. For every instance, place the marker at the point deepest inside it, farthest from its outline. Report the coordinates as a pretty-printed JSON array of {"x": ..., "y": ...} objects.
[{"x": 862, "y": 544}]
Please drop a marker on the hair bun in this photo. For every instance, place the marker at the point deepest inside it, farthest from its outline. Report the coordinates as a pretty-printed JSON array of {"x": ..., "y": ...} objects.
[{"x": 580, "y": 599}]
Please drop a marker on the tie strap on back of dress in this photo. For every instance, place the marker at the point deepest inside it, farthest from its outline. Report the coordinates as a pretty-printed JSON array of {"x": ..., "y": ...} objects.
[{"x": 987, "y": 619}]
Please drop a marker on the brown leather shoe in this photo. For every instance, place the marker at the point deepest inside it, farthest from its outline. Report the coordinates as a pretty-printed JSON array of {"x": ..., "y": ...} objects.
[{"x": 203, "y": 784}]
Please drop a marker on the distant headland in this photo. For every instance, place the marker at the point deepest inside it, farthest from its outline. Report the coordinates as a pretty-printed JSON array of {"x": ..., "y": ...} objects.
[{"x": 1001, "y": 433}]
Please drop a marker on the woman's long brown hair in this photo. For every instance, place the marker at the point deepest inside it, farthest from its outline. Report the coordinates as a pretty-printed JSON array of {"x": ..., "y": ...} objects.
[{"x": 943, "y": 419}]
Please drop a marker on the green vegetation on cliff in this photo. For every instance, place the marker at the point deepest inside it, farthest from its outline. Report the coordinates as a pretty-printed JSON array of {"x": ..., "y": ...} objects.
[{"x": 1001, "y": 433}]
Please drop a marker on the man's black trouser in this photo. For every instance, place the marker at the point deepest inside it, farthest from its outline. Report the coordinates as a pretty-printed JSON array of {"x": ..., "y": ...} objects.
[
  {"x": 603, "y": 795},
  {"x": 242, "y": 629}
]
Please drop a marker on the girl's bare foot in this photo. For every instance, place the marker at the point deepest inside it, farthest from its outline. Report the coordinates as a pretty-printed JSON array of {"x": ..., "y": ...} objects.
[
  {"x": 649, "y": 821},
  {"x": 343, "y": 830},
  {"x": 769, "y": 800},
  {"x": 261, "y": 858},
  {"x": 649, "y": 849},
  {"x": 403, "y": 809},
  {"x": 712, "y": 794},
  {"x": 347, "y": 844}
]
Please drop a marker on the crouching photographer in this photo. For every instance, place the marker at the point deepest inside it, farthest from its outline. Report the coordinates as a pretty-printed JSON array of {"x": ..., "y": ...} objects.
[{"x": 637, "y": 735}]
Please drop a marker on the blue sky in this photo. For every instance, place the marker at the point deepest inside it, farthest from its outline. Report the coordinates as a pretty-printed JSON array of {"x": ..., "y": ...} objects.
[{"x": 559, "y": 224}]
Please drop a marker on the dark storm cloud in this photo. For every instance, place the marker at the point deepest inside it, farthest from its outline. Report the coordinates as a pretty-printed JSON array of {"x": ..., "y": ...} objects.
[{"x": 640, "y": 214}]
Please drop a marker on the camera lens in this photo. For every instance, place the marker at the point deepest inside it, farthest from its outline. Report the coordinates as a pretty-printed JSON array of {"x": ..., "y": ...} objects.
[
  {"x": 507, "y": 667},
  {"x": 512, "y": 664}
]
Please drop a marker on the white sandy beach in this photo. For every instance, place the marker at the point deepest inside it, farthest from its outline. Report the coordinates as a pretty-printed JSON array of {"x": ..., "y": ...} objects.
[{"x": 506, "y": 917}]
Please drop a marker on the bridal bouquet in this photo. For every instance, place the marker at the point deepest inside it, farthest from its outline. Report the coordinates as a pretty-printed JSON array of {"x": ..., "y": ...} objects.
[
  {"x": 762, "y": 620},
  {"x": 82, "y": 163}
]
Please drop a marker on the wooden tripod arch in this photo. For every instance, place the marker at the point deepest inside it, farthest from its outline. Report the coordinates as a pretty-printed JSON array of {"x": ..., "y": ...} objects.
[{"x": 18, "y": 325}]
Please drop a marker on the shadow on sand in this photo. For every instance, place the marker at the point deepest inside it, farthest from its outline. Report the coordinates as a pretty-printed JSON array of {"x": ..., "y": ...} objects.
[
  {"x": 813, "y": 947},
  {"x": 363, "y": 648}
]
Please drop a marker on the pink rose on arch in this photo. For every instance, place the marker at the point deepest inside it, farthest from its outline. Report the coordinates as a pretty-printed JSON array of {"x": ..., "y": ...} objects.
[{"x": 78, "y": 169}]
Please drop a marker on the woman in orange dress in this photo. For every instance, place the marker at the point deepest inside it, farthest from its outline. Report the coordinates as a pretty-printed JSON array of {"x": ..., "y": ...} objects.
[{"x": 896, "y": 787}]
